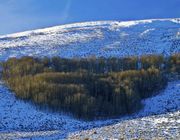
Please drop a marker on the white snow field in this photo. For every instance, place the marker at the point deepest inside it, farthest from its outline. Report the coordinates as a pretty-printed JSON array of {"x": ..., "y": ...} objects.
[
  {"x": 102, "y": 38},
  {"x": 160, "y": 116}
]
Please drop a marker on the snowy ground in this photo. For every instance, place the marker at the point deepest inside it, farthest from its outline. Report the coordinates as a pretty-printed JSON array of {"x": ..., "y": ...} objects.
[
  {"x": 166, "y": 126},
  {"x": 99, "y": 38},
  {"x": 20, "y": 119}
]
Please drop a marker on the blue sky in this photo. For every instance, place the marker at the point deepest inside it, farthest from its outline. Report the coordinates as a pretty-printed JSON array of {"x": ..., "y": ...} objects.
[{"x": 21, "y": 15}]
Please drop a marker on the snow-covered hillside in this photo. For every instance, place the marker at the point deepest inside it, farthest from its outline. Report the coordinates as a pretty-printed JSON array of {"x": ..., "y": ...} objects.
[
  {"x": 102, "y": 38},
  {"x": 158, "y": 118}
]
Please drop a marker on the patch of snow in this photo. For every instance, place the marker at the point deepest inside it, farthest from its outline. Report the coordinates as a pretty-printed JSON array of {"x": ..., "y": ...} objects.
[
  {"x": 162, "y": 103},
  {"x": 178, "y": 34},
  {"x": 177, "y": 20},
  {"x": 123, "y": 34},
  {"x": 146, "y": 31}
]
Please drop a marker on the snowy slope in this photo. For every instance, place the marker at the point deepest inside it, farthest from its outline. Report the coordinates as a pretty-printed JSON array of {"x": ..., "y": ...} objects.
[
  {"x": 19, "y": 119},
  {"x": 102, "y": 38},
  {"x": 159, "y": 127}
]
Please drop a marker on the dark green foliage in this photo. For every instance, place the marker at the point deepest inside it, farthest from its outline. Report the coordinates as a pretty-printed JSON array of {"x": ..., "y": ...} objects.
[
  {"x": 173, "y": 64},
  {"x": 88, "y": 88},
  {"x": 152, "y": 61}
]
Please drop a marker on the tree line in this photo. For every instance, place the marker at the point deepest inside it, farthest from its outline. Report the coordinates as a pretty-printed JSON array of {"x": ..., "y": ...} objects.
[{"x": 89, "y": 88}]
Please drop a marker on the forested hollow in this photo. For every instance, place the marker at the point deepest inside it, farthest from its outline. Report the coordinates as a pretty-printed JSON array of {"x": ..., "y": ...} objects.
[{"x": 89, "y": 88}]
